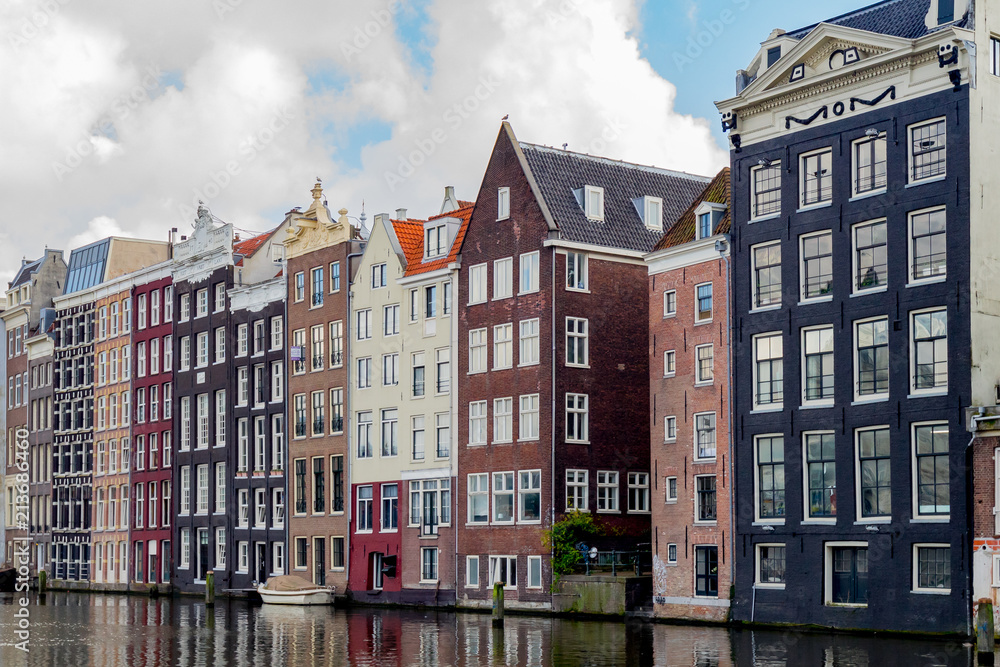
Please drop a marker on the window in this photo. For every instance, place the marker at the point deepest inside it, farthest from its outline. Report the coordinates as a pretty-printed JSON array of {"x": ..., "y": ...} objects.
[
  {"x": 503, "y": 203},
  {"x": 503, "y": 346},
  {"x": 817, "y": 265},
  {"x": 670, "y": 487},
  {"x": 528, "y": 343},
  {"x": 607, "y": 491},
  {"x": 770, "y": 477},
  {"x": 428, "y": 564},
  {"x": 594, "y": 202},
  {"x": 576, "y": 341},
  {"x": 704, "y": 498},
  {"x": 766, "y": 259},
  {"x": 364, "y": 435},
  {"x": 703, "y": 296},
  {"x": 185, "y": 554},
  {"x": 317, "y": 283},
  {"x": 669, "y": 429},
  {"x": 528, "y": 417},
  {"x": 242, "y": 340},
  {"x": 817, "y": 178},
  {"x": 577, "y": 418},
  {"x": 477, "y": 423},
  {"x": 277, "y": 381},
  {"x": 202, "y": 349},
  {"x": 220, "y": 488},
  {"x": 872, "y": 361},
  {"x": 337, "y": 410},
  {"x": 477, "y": 284},
  {"x": 847, "y": 568},
  {"x": 576, "y": 271},
  {"x": 929, "y": 350},
  {"x": 479, "y": 500},
  {"x": 704, "y": 428},
  {"x": 364, "y": 373},
  {"x": 576, "y": 491},
  {"x": 503, "y": 497},
  {"x": 390, "y": 318},
  {"x": 874, "y": 472},
  {"x": 503, "y": 569},
  {"x": 503, "y": 278},
  {"x": 928, "y": 254},
  {"x": 932, "y": 568},
  {"x": 185, "y": 307},
  {"x": 364, "y": 320},
  {"x": 638, "y": 492},
  {"x": 534, "y": 571},
  {"x": 316, "y": 348},
  {"x": 771, "y": 565},
  {"x": 669, "y": 303},
  {"x": 994, "y": 56},
  {"x": 652, "y": 213},
  {"x": 220, "y": 297},
  {"x": 202, "y": 303},
  {"x": 529, "y": 272},
  {"x": 186, "y": 353},
  {"x": 202, "y": 506},
  {"x": 364, "y": 509},
  {"x": 669, "y": 363},
  {"x": 430, "y": 301},
  {"x": 378, "y": 276},
  {"x": 390, "y": 507},
  {"x": 704, "y": 363},
  {"x": 337, "y": 557},
  {"x": 277, "y": 442},
  {"x": 766, "y": 190},
  {"x": 817, "y": 352},
  {"x": 442, "y": 362},
  {"x": 821, "y": 475},
  {"x": 870, "y": 256},
  {"x": 446, "y": 305},
  {"x": 930, "y": 449},
  {"x": 220, "y": 417},
  {"x": 706, "y": 572},
  {"x": 869, "y": 155},
  {"x": 529, "y": 505},
  {"x": 417, "y": 438},
  {"x": 768, "y": 370},
  {"x": 419, "y": 374},
  {"x": 671, "y": 554},
  {"x": 390, "y": 370},
  {"x": 477, "y": 351},
  {"x": 442, "y": 434},
  {"x": 502, "y": 420},
  {"x": 318, "y": 412},
  {"x": 435, "y": 241},
  {"x": 390, "y": 432},
  {"x": 928, "y": 150}
]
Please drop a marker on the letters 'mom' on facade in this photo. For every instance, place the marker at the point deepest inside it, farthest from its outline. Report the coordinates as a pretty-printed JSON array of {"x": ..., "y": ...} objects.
[{"x": 864, "y": 138}]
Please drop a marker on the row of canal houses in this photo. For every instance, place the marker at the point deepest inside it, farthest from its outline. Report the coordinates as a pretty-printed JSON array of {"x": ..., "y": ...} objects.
[{"x": 728, "y": 372}]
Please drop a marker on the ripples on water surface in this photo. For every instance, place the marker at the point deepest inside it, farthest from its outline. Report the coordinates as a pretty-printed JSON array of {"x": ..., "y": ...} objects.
[{"x": 74, "y": 629}]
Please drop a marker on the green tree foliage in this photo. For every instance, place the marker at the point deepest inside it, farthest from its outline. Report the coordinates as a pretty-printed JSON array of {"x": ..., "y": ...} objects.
[{"x": 565, "y": 538}]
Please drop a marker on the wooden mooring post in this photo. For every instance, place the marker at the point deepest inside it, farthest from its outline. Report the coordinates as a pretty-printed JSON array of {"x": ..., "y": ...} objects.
[
  {"x": 984, "y": 632},
  {"x": 498, "y": 605},
  {"x": 210, "y": 589}
]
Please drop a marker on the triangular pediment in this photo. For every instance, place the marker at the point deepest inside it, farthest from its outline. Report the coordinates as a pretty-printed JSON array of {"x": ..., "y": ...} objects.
[{"x": 826, "y": 52}]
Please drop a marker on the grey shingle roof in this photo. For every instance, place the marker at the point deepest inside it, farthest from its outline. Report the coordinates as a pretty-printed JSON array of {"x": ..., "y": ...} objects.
[
  {"x": 898, "y": 18},
  {"x": 24, "y": 273},
  {"x": 558, "y": 173}
]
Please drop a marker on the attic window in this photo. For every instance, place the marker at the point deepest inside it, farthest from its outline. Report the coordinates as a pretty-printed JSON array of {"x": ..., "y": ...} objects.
[
  {"x": 652, "y": 212},
  {"x": 503, "y": 203},
  {"x": 435, "y": 239},
  {"x": 705, "y": 225},
  {"x": 593, "y": 202},
  {"x": 773, "y": 55},
  {"x": 946, "y": 11}
]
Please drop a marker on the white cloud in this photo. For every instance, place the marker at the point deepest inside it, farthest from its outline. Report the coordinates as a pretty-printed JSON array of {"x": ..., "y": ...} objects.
[
  {"x": 90, "y": 132},
  {"x": 99, "y": 228}
]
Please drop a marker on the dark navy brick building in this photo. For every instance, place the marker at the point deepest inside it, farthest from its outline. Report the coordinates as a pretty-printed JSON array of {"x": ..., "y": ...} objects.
[{"x": 854, "y": 306}]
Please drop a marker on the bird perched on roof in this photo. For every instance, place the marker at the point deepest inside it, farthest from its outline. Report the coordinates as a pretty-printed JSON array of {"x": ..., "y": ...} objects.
[{"x": 505, "y": 117}]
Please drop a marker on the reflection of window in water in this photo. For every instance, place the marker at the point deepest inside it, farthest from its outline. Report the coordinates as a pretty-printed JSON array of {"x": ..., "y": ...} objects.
[
  {"x": 471, "y": 640},
  {"x": 706, "y": 657},
  {"x": 510, "y": 647},
  {"x": 428, "y": 645},
  {"x": 534, "y": 648}
]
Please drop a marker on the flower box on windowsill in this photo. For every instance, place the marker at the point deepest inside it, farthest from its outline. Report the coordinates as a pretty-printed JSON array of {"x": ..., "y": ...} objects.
[
  {"x": 277, "y": 472},
  {"x": 241, "y": 474},
  {"x": 258, "y": 473}
]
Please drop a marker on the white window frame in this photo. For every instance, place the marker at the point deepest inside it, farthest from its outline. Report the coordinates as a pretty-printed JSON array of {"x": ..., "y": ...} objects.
[
  {"x": 477, "y": 284},
  {"x": 910, "y": 268},
  {"x": 937, "y": 389},
  {"x": 910, "y": 167},
  {"x": 855, "y": 269},
  {"x": 670, "y": 303},
  {"x": 580, "y": 481},
  {"x": 758, "y": 519},
  {"x": 803, "y": 206},
  {"x": 529, "y": 263},
  {"x": 856, "y": 361},
  {"x": 670, "y": 428},
  {"x": 855, "y": 194},
  {"x": 580, "y": 264},
  {"x": 612, "y": 486},
  {"x": 670, "y": 498},
  {"x": 755, "y": 286},
  {"x": 503, "y": 346},
  {"x": 528, "y": 417},
  {"x": 698, "y": 379},
  {"x": 532, "y": 561},
  {"x": 529, "y": 342},
  {"x": 503, "y": 420},
  {"x": 915, "y": 568},
  {"x": 639, "y": 484},
  {"x": 772, "y": 406},
  {"x": 592, "y": 212},
  {"x": 471, "y": 565},
  {"x": 758, "y": 561},
  {"x": 754, "y": 216},
  {"x": 503, "y": 203},
  {"x": 477, "y": 423},
  {"x": 582, "y": 430},
  {"x": 697, "y": 501},
  {"x": 820, "y": 298},
  {"x": 503, "y": 278},
  {"x": 817, "y": 402},
  {"x": 528, "y": 489},
  {"x": 578, "y": 329},
  {"x": 918, "y": 516},
  {"x": 698, "y": 317}
]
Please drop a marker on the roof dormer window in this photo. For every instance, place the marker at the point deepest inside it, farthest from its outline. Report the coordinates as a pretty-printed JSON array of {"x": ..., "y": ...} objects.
[
  {"x": 773, "y": 55},
  {"x": 707, "y": 217},
  {"x": 593, "y": 202},
  {"x": 435, "y": 241},
  {"x": 705, "y": 225},
  {"x": 946, "y": 11},
  {"x": 650, "y": 209}
]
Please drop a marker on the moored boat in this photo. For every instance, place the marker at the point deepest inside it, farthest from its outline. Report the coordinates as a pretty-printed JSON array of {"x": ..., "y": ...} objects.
[{"x": 293, "y": 590}]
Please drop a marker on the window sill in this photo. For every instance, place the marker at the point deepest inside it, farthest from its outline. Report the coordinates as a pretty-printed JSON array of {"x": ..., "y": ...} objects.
[
  {"x": 698, "y": 461},
  {"x": 867, "y": 195},
  {"x": 671, "y": 441},
  {"x": 866, "y": 401},
  {"x": 760, "y": 523},
  {"x": 875, "y": 521},
  {"x": 609, "y": 511},
  {"x": 815, "y": 207},
  {"x": 502, "y": 442},
  {"x": 699, "y": 323},
  {"x": 925, "y": 181},
  {"x": 928, "y": 394},
  {"x": 765, "y": 309},
  {"x": 584, "y": 366},
  {"x": 826, "y": 298},
  {"x": 528, "y": 365},
  {"x": 832, "y": 521},
  {"x": 708, "y": 524},
  {"x": 928, "y": 591},
  {"x": 704, "y": 383},
  {"x": 765, "y": 218},
  {"x": 873, "y": 290},
  {"x": 768, "y": 410},
  {"x": 670, "y": 316},
  {"x": 816, "y": 406},
  {"x": 933, "y": 280},
  {"x": 931, "y": 519},
  {"x": 534, "y": 291},
  {"x": 577, "y": 442},
  {"x": 670, "y": 375},
  {"x": 769, "y": 587},
  {"x": 671, "y": 501}
]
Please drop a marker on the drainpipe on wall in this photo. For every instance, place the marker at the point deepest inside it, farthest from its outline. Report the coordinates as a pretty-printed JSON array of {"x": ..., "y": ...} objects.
[
  {"x": 552, "y": 423},
  {"x": 732, "y": 415}
]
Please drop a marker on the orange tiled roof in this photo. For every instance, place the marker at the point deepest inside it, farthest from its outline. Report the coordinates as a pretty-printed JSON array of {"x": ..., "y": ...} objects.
[
  {"x": 683, "y": 231},
  {"x": 247, "y": 247},
  {"x": 411, "y": 237}
]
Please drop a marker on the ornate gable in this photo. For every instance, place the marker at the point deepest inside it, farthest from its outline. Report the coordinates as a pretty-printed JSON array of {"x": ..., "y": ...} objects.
[{"x": 315, "y": 228}]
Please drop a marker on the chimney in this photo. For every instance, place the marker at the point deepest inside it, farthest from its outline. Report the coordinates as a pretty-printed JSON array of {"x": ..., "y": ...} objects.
[
  {"x": 450, "y": 202},
  {"x": 400, "y": 214}
]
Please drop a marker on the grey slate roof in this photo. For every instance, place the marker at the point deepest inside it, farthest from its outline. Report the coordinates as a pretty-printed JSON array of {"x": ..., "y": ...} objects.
[
  {"x": 897, "y": 18},
  {"x": 558, "y": 173},
  {"x": 24, "y": 273}
]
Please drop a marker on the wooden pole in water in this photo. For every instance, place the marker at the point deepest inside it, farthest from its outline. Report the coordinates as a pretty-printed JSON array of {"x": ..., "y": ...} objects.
[
  {"x": 210, "y": 589},
  {"x": 984, "y": 632},
  {"x": 498, "y": 604}
]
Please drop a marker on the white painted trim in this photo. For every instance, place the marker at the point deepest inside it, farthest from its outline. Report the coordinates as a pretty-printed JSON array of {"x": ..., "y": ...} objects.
[
  {"x": 688, "y": 254},
  {"x": 596, "y": 251}
]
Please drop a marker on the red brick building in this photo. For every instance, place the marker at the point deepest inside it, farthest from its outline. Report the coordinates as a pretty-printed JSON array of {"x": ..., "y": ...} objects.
[
  {"x": 689, "y": 401},
  {"x": 553, "y": 409}
]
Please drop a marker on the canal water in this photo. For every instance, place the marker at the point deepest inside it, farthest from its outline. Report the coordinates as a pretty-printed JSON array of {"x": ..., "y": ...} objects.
[{"x": 83, "y": 630}]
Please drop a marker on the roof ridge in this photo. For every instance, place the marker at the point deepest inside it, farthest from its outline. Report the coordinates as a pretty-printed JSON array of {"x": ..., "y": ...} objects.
[
  {"x": 856, "y": 12},
  {"x": 621, "y": 163}
]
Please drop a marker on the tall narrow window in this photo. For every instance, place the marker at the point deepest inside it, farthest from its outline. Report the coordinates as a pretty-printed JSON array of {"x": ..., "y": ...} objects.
[
  {"x": 503, "y": 278},
  {"x": 930, "y": 448},
  {"x": 766, "y": 195},
  {"x": 872, "y": 361},
  {"x": 817, "y": 354},
  {"x": 527, "y": 342},
  {"x": 768, "y": 370},
  {"x": 577, "y": 418},
  {"x": 817, "y": 178},
  {"x": 503, "y": 497},
  {"x": 875, "y": 473},
  {"x": 576, "y": 341},
  {"x": 870, "y": 256},
  {"x": 928, "y": 252},
  {"x": 705, "y": 438},
  {"x": 477, "y": 423},
  {"x": 529, "y": 272},
  {"x": 703, "y": 297},
  {"x": 317, "y": 285},
  {"x": 704, "y": 363},
  {"x": 770, "y": 477},
  {"x": 869, "y": 164},
  {"x": 929, "y": 350},
  {"x": 503, "y": 203},
  {"x": 576, "y": 271},
  {"x": 502, "y": 420},
  {"x": 821, "y": 474},
  {"x": 766, "y": 275},
  {"x": 503, "y": 346},
  {"x": 928, "y": 150},
  {"x": 817, "y": 265}
]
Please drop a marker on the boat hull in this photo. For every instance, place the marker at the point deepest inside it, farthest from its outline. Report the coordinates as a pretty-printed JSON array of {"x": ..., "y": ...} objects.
[{"x": 299, "y": 598}]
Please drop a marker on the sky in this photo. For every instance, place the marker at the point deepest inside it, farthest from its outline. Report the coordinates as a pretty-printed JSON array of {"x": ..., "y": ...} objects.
[{"x": 119, "y": 116}]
